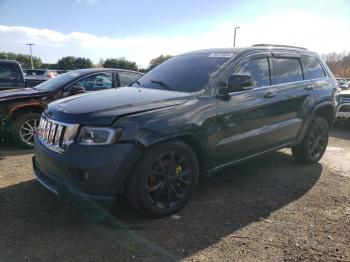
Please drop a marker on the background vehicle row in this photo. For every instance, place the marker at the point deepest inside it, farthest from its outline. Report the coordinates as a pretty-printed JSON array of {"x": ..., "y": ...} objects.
[{"x": 20, "y": 109}]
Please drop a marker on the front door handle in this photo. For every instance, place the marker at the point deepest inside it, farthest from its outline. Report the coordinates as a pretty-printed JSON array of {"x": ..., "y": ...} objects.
[
  {"x": 309, "y": 87},
  {"x": 270, "y": 94}
]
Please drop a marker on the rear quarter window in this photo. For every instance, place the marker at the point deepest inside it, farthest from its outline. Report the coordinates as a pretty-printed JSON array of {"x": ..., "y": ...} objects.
[
  {"x": 128, "y": 78},
  {"x": 286, "y": 70},
  {"x": 312, "y": 68},
  {"x": 8, "y": 70}
]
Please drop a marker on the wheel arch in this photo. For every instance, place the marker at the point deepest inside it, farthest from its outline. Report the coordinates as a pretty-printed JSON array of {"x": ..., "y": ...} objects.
[
  {"x": 189, "y": 139},
  {"x": 325, "y": 110},
  {"x": 198, "y": 149},
  {"x": 23, "y": 109}
]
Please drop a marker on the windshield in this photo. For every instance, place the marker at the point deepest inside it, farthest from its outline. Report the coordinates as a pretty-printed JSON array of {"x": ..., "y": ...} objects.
[
  {"x": 57, "y": 82},
  {"x": 184, "y": 73}
]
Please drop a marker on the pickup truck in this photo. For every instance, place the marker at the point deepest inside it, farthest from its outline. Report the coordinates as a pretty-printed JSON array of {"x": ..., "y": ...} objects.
[{"x": 11, "y": 75}]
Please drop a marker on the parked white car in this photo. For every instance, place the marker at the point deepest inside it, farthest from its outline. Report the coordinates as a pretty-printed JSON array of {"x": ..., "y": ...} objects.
[{"x": 343, "y": 106}]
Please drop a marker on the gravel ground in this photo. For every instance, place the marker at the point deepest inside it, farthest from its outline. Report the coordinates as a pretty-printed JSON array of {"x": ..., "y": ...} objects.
[{"x": 267, "y": 209}]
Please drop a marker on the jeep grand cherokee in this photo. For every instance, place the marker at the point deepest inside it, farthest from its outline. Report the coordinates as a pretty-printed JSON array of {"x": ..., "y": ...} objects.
[{"x": 193, "y": 115}]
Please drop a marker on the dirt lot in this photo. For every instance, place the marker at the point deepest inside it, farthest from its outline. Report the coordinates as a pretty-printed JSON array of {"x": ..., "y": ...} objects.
[{"x": 268, "y": 209}]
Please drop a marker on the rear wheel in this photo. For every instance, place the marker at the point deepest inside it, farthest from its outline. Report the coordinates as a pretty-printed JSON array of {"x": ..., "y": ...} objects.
[
  {"x": 164, "y": 179},
  {"x": 24, "y": 129},
  {"x": 314, "y": 143}
]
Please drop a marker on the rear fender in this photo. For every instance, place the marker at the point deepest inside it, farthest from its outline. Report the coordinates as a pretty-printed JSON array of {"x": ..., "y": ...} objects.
[{"x": 309, "y": 120}]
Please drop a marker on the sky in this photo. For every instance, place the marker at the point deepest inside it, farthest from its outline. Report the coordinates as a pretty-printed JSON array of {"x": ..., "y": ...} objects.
[{"x": 140, "y": 30}]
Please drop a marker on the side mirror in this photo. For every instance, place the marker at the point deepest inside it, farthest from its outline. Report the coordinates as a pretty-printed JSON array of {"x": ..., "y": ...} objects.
[
  {"x": 74, "y": 90},
  {"x": 236, "y": 83}
]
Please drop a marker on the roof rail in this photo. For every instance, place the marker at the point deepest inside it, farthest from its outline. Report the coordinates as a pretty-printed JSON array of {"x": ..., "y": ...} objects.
[{"x": 272, "y": 45}]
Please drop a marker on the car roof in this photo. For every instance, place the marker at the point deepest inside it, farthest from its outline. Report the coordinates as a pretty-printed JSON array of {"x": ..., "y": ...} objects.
[
  {"x": 8, "y": 61},
  {"x": 214, "y": 50},
  {"x": 262, "y": 47},
  {"x": 92, "y": 70}
]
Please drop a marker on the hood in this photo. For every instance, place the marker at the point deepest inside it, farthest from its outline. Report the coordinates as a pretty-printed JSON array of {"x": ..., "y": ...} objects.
[
  {"x": 104, "y": 107},
  {"x": 6, "y": 95},
  {"x": 344, "y": 92}
]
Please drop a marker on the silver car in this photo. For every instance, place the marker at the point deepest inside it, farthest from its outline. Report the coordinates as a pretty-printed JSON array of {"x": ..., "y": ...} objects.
[
  {"x": 39, "y": 74},
  {"x": 34, "y": 77}
]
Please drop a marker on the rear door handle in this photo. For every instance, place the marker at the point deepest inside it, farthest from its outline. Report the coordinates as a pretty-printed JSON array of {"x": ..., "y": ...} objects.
[
  {"x": 270, "y": 94},
  {"x": 309, "y": 87}
]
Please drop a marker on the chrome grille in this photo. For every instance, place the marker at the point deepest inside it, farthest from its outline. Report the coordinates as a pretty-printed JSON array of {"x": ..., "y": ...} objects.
[
  {"x": 55, "y": 135},
  {"x": 344, "y": 99}
]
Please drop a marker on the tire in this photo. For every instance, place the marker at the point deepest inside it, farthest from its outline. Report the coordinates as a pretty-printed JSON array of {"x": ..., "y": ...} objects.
[
  {"x": 169, "y": 168},
  {"x": 314, "y": 144},
  {"x": 23, "y": 129}
]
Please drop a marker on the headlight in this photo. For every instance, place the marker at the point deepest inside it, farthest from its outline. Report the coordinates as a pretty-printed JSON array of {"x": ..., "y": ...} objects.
[{"x": 98, "y": 135}]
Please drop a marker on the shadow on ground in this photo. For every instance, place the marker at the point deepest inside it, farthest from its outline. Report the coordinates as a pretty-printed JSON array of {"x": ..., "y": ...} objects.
[
  {"x": 37, "y": 226},
  {"x": 341, "y": 131},
  {"x": 9, "y": 148}
]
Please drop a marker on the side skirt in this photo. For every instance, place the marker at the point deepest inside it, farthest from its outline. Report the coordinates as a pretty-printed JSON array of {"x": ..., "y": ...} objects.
[{"x": 222, "y": 167}]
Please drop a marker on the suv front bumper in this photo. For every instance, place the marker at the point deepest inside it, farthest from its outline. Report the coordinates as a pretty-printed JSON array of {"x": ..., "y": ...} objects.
[
  {"x": 343, "y": 111},
  {"x": 85, "y": 174}
]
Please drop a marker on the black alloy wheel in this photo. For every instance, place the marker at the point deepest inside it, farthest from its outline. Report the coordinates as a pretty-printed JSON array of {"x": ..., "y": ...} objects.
[
  {"x": 164, "y": 179},
  {"x": 318, "y": 141},
  {"x": 314, "y": 144},
  {"x": 169, "y": 179}
]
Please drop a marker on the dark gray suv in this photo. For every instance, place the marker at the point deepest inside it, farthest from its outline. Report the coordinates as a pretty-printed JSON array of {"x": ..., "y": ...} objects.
[{"x": 193, "y": 115}]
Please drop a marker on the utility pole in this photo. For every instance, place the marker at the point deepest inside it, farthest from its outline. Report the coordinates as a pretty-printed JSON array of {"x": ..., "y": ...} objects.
[
  {"x": 31, "y": 56},
  {"x": 234, "y": 38}
]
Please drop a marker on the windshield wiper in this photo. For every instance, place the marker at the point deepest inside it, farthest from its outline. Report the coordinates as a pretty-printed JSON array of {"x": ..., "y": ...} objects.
[{"x": 161, "y": 83}]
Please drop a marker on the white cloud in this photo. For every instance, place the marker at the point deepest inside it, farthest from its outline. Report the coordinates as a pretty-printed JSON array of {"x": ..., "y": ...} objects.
[
  {"x": 89, "y": 2},
  {"x": 293, "y": 28}
]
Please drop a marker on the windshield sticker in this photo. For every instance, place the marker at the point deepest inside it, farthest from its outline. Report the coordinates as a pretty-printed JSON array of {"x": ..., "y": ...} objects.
[
  {"x": 74, "y": 74},
  {"x": 225, "y": 55}
]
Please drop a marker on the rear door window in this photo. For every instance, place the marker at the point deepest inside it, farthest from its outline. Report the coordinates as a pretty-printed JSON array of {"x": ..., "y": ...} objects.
[
  {"x": 286, "y": 70},
  {"x": 97, "y": 82},
  {"x": 259, "y": 71},
  {"x": 312, "y": 68}
]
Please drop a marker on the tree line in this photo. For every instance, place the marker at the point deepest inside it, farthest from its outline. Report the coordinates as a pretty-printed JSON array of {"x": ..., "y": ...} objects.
[
  {"x": 23, "y": 59},
  {"x": 339, "y": 63},
  {"x": 73, "y": 63}
]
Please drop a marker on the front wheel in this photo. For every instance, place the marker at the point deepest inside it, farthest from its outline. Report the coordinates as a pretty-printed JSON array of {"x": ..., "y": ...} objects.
[
  {"x": 314, "y": 143},
  {"x": 164, "y": 179},
  {"x": 24, "y": 129}
]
